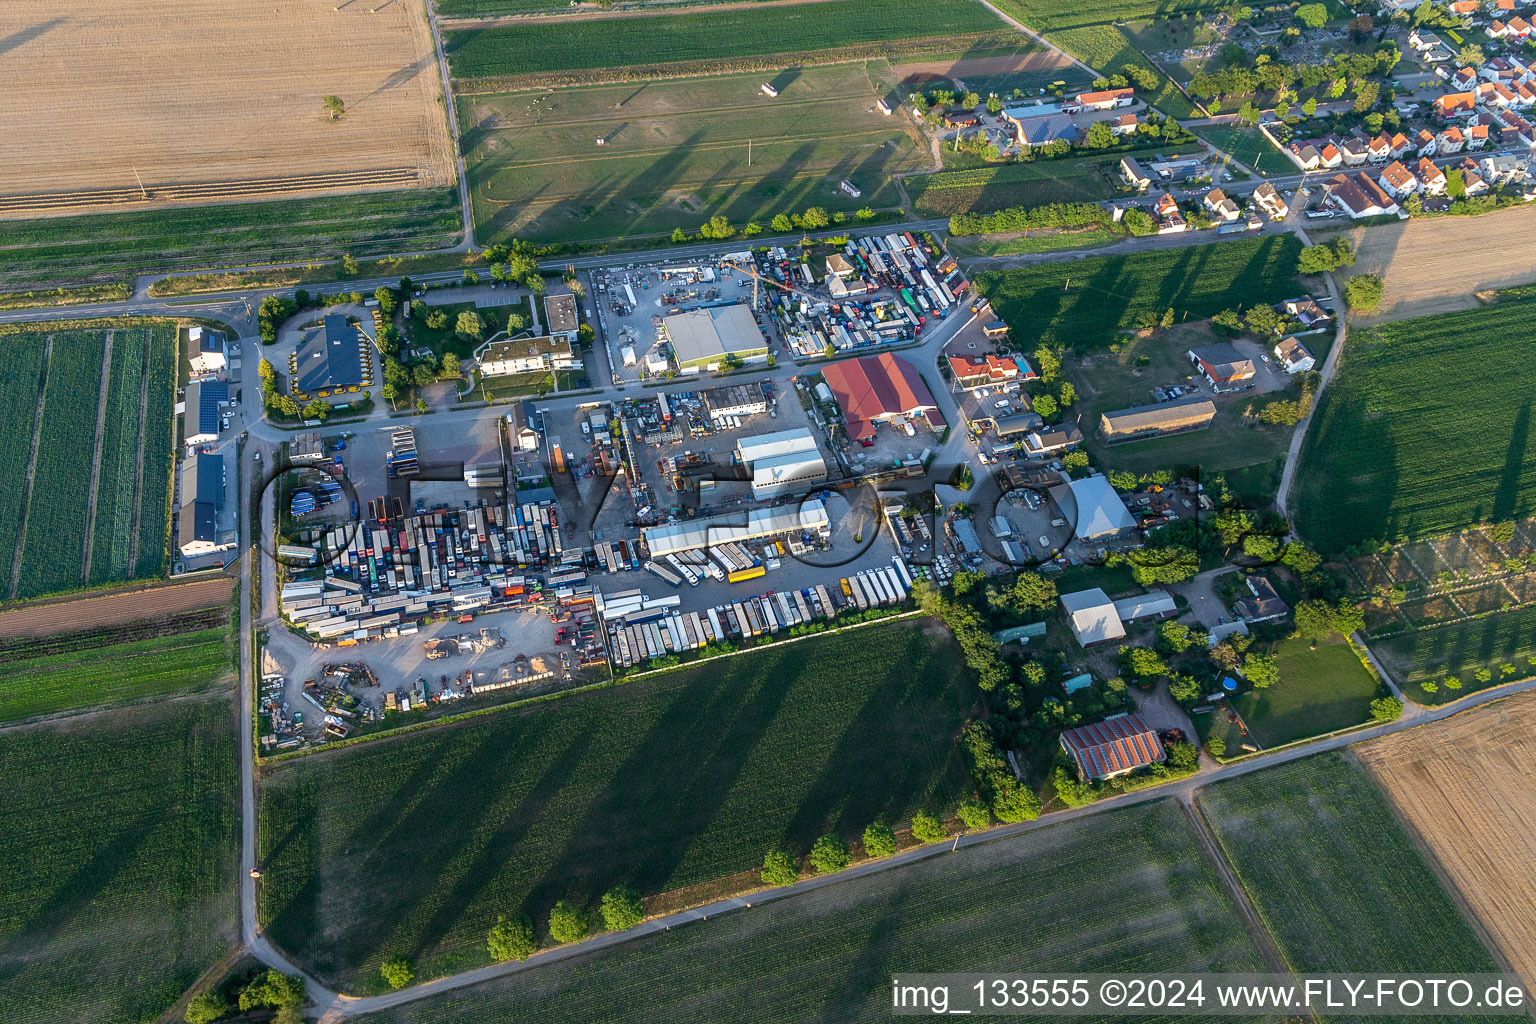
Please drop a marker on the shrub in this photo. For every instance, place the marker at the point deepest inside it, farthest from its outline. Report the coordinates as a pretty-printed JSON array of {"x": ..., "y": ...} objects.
[
  {"x": 879, "y": 840},
  {"x": 397, "y": 972},
  {"x": 830, "y": 855},
  {"x": 1386, "y": 709},
  {"x": 927, "y": 828},
  {"x": 511, "y": 939},
  {"x": 622, "y": 908},
  {"x": 1216, "y": 745},
  {"x": 974, "y": 815},
  {"x": 205, "y": 1008},
  {"x": 1363, "y": 293},
  {"x": 567, "y": 922},
  {"x": 779, "y": 868}
]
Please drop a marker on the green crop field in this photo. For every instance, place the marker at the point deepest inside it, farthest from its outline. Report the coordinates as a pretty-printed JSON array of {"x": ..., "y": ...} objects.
[
  {"x": 1334, "y": 875},
  {"x": 713, "y": 36},
  {"x": 986, "y": 189},
  {"x": 1106, "y": 48},
  {"x": 52, "y": 552},
  {"x": 1085, "y": 302},
  {"x": 490, "y": 8},
  {"x": 1048, "y": 15},
  {"x": 677, "y": 153},
  {"x": 1461, "y": 650},
  {"x": 58, "y": 250},
  {"x": 71, "y": 671},
  {"x": 1037, "y": 902},
  {"x": 414, "y": 845},
  {"x": 118, "y": 840},
  {"x": 1386, "y": 458}
]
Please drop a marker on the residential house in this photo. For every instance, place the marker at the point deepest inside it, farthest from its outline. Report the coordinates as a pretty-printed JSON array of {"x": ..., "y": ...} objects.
[
  {"x": 1041, "y": 131},
  {"x": 560, "y": 318},
  {"x": 1471, "y": 177},
  {"x": 1398, "y": 181},
  {"x": 1477, "y": 136},
  {"x": 1116, "y": 746},
  {"x": 1265, "y": 605},
  {"x": 1431, "y": 177},
  {"x": 1268, "y": 199},
  {"x": 1222, "y": 364},
  {"x": 1106, "y": 99},
  {"x": 1132, "y": 173},
  {"x": 1379, "y": 149},
  {"x": 1424, "y": 142},
  {"x": 961, "y": 119},
  {"x": 207, "y": 351},
  {"x": 971, "y": 372},
  {"x": 525, "y": 355},
  {"x": 1293, "y": 355},
  {"x": 838, "y": 266},
  {"x": 1124, "y": 124},
  {"x": 1355, "y": 152},
  {"x": 1305, "y": 310},
  {"x": 1306, "y": 157},
  {"x": 1400, "y": 146},
  {"x": 1463, "y": 9},
  {"x": 1464, "y": 80},
  {"x": 1454, "y": 103},
  {"x": 1497, "y": 29},
  {"x": 1500, "y": 8},
  {"x": 1220, "y": 206},
  {"x": 1502, "y": 169},
  {"x": 1062, "y": 437},
  {"x": 1423, "y": 39},
  {"x": 1358, "y": 195},
  {"x": 1494, "y": 95},
  {"x": 1450, "y": 140},
  {"x": 1330, "y": 156},
  {"x": 1519, "y": 28},
  {"x": 1170, "y": 220},
  {"x": 1524, "y": 95}
]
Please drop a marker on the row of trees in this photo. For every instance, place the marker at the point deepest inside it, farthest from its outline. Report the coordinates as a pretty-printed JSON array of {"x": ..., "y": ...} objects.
[
  {"x": 1030, "y": 218},
  {"x": 1238, "y": 77},
  {"x": 273, "y": 990}
]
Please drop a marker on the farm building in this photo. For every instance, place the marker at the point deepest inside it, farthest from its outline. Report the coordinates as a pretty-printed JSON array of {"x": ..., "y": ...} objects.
[
  {"x": 202, "y": 496},
  {"x": 781, "y": 462},
  {"x": 702, "y": 338},
  {"x": 972, "y": 372},
  {"x": 560, "y": 312},
  {"x": 879, "y": 389},
  {"x": 697, "y": 534},
  {"x": 1222, "y": 364},
  {"x": 1094, "y": 509},
  {"x": 205, "y": 402},
  {"x": 331, "y": 359},
  {"x": 207, "y": 351},
  {"x": 1118, "y": 745},
  {"x": 1155, "y": 420},
  {"x": 525, "y": 355},
  {"x": 1092, "y": 617}
]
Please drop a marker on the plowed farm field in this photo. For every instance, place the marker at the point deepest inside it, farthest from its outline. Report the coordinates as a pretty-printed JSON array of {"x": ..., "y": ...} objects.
[
  {"x": 1438, "y": 265},
  {"x": 1464, "y": 785},
  {"x": 176, "y": 92}
]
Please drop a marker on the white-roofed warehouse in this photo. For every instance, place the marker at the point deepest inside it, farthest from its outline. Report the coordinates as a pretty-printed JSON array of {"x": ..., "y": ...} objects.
[
  {"x": 702, "y": 338},
  {"x": 781, "y": 461},
  {"x": 808, "y": 516},
  {"x": 1094, "y": 509}
]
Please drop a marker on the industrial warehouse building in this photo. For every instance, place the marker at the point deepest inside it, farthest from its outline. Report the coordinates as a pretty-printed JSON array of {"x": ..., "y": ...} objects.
[
  {"x": 702, "y": 338},
  {"x": 1154, "y": 420},
  {"x": 525, "y": 355},
  {"x": 1094, "y": 509},
  {"x": 759, "y": 524},
  {"x": 332, "y": 359},
  {"x": 202, "y": 497},
  {"x": 781, "y": 462},
  {"x": 880, "y": 389},
  {"x": 204, "y": 404}
]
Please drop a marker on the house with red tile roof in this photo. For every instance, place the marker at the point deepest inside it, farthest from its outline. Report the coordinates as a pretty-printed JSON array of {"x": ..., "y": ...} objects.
[
  {"x": 1116, "y": 746},
  {"x": 972, "y": 371}
]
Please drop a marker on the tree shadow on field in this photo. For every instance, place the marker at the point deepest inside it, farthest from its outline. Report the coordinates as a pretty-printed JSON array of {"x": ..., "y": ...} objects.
[
  {"x": 397, "y": 78},
  {"x": 1506, "y": 499},
  {"x": 26, "y": 35}
]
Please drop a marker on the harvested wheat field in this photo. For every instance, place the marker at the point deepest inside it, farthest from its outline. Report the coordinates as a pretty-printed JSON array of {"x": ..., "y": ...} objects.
[
  {"x": 1467, "y": 786},
  {"x": 191, "y": 91},
  {"x": 1438, "y": 265}
]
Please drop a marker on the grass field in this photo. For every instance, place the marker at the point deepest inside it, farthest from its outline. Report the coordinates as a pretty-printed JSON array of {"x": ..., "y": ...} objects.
[
  {"x": 118, "y": 840},
  {"x": 1461, "y": 649},
  {"x": 716, "y": 36},
  {"x": 1387, "y": 459},
  {"x": 677, "y": 153},
  {"x": 662, "y": 784},
  {"x": 984, "y": 189},
  {"x": 1246, "y": 145},
  {"x": 1319, "y": 691},
  {"x": 1334, "y": 875},
  {"x": 1084, "y": 303},
  {"x": 1033, "y": 903},
  {"x": 69, "y": 672},
  {"x": 135, "y": 457},
  {"x": 1048, "y": 15},
  {"x": 1106, "y": 48},
  {"x": 1045, "y": 240},
  {"x": 56, "y": 250}
]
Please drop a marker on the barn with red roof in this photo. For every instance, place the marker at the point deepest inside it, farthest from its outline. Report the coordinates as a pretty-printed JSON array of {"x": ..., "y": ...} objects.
[
  {"x": 879, "y": 389},
  {"x": 1119, "y": 744}
]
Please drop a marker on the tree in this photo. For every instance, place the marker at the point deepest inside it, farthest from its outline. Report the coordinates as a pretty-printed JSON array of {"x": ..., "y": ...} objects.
[
  {"x": 815, "y": 218},
  {"x": 1456, "y": 183},
  {"x": 1046, "y": 406},
  {"x": 879, "y": 840},
  {"x": 679, "y": 236},
  {"x": 1049, "y": 365},
  {"x": 1261, "y": 546},
  {"x": 1312, "y": 15},
  {"x": 752, "y": 230},
  {"x": 1099, "y": 136},
  {"x": 782, "y": 224},
  {"x": 1470, "y": 56},
  {"x": 717, "y": 228},
  {"x": 1142, "y": 663},
  {"x": 1366, "y": 95},
  {"x": 994, "y": 104},
  {"x": 1310, "y": 107},
  {"x": 1076, "y": 463},
  {"x": 1261, "y": 670},
  {"x": 1386, "y": 709},
  {"x": 973, "y": 814},
  {"x": 437, "y": 319},
  {"x": 205, "y": 1008},
  {"x": 567, "y": 922},
  {"x": 387, "y": 299},
  {"x": 423, "y": 374},
  {"x": 779, "y": 868},
  {"x": 1216, "y": 745},
  {"x": 1031, "y": 592},
  {"x": 830, "y": 855},
  {"x": 397, "y": 972},
  {"x": 334, "y": 106},
  {"x": 469, "y": 326},
  {"x": 421, "y": 405},
  {"x": 1067, "y": 395},
  {"x": 1174, "y": 637},
  {"x": 1362, "y": 293},
  {"x": 927, "y": 828},
  {"x": 1184, "y": 689},
  {"x": 317, "y": 409},
  {"x": 451, "y": 365},
  {"x": 511, "y": 938},
  {"x": 1183, "y": 757},
  {"x": 1172, "y": 564},
  {"x": 271, "y": 990},
  {"x": 621, "y": 908}
]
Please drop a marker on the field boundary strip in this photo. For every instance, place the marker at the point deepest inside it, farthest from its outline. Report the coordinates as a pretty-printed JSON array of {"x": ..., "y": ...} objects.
[{"x": 394, "y": 177}]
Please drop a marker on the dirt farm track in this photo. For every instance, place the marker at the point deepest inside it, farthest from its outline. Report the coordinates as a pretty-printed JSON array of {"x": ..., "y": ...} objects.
[
  {"x": 187, "y": 92},
  {"x": 1464, "y": 785},
  {"x": 115, "y": 607}
]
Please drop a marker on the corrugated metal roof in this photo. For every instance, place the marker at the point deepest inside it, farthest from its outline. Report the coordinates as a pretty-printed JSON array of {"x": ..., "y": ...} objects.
[{"x": 1118, "y": 744}]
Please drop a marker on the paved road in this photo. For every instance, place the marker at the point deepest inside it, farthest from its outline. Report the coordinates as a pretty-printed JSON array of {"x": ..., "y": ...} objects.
[{"x": 332, "y": 1008}]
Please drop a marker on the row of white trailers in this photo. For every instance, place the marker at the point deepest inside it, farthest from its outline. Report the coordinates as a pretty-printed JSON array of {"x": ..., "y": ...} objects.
[{"x": 641, "y": 629}]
